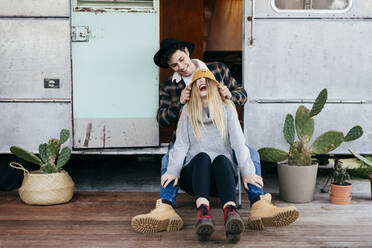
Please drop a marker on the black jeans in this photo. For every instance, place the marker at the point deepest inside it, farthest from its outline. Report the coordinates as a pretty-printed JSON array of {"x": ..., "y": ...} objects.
[{"x": 203, "y": 178}]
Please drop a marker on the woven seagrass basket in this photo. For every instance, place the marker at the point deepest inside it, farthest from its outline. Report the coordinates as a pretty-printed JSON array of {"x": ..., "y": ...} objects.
[{"x": 45, "y": 189}]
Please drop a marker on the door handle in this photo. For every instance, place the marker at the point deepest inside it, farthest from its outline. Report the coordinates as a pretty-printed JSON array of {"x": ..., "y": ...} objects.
[{"x": 80, "y": 33}]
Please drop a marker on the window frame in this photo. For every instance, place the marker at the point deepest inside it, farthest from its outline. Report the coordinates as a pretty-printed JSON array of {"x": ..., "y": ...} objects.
[{"x": 312, "y": 11}]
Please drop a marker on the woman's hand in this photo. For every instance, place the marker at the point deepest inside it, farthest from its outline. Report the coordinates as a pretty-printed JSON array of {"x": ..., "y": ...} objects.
[
  {"x": 185, "y": 94},
  {"x": 224, "y": 91},
  {"x": 166, "y": 178},
  {"x": 252, "y": 179}
]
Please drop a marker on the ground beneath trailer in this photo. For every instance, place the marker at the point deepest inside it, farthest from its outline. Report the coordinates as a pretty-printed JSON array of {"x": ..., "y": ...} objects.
[{"x": 102, "y": 219}]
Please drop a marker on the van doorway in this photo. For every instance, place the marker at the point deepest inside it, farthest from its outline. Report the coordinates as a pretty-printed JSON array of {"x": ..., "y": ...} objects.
[{"x": 215, "y": 26}]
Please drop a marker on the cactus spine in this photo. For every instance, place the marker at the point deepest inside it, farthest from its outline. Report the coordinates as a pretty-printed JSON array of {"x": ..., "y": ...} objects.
[
  {"x": 300, "y": 151},
  {"x": 49, "y": 153}
]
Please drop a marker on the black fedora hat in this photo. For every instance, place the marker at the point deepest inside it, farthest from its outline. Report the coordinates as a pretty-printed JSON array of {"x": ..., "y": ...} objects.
[{"x": 165, "y": 45}]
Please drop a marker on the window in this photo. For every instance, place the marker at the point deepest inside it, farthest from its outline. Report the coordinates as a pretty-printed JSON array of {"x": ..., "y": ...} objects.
[
  {"x": 312, "y": 4},
  {"x": 116, "y": 3}
]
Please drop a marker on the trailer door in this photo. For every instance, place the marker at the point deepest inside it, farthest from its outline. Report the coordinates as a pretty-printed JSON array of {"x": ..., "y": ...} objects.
[
  {"x": 292, "y": 50},
  {"x": 115, "y": 82}
]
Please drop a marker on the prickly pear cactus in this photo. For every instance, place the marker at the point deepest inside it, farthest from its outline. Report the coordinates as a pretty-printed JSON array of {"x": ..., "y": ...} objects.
[
  {"x": 300, "y": 152},
  {"x": 272, "y": 154},
  {"x": 319, "y": 103},
  {"x": 49, "y": 153},
  {"x": 52, "y": 150},
  {"x": 42, "y": 152},
  {"x": 327, "y": 142},
  {"x": 289, "y": 129},
  {"x": 63, "y": 157},
  {"x": 64, "y": 135},
  {"x": 354, "y": 133},
  {"x": 304, "y": 124},
  {"x": 25, "y": 155}
]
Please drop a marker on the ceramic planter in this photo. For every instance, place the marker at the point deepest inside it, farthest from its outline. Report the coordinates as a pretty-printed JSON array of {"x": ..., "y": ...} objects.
[
  {"x": 297, "y": 183},
  {"x": 341, "y": 194}
]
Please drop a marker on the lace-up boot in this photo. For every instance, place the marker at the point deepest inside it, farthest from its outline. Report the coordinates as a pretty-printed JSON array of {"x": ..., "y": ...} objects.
[{"x": 204, "y": 225}]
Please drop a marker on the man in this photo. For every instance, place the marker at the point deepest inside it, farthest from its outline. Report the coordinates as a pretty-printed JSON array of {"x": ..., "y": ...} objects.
[{"x": 174, "y": 93}]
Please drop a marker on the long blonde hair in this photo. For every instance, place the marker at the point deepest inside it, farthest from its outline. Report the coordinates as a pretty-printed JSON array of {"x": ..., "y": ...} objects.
[{"x": 215, "y": 106}]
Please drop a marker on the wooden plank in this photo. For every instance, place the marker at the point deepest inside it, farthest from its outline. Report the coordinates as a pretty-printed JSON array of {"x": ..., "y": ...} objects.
[{"x": 103, "y": 220}]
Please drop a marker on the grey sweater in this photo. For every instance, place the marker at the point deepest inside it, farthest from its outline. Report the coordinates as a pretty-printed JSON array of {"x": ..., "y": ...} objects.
[{"x": 187, "y": 145}]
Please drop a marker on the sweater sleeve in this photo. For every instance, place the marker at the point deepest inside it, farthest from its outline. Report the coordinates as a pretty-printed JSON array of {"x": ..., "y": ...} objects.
[
  {"x": 181, "y": 146},
  {"x": 169, "y": 107},
  {"x": 237, "y": 141}
]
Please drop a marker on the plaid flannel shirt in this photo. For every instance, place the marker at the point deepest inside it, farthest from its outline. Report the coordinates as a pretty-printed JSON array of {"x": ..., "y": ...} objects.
[{"x": 170, "y": 93}]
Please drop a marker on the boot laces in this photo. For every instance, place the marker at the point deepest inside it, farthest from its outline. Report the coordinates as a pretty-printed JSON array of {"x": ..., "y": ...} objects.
[
  {"x": 229, "y": 210},
  {"x": 204, "y": 212}
]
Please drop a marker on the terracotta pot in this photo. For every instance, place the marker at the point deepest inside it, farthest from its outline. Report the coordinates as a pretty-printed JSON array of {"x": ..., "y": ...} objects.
[
  {"x": 341, "y": 194},
  {"x": 370, "y": 180}
]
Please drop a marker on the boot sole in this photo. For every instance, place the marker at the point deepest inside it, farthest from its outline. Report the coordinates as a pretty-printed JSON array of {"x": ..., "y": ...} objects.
[
  {"x": 280, "y": 219},
  {"x": 204, "y": 230},
  {"x": 153, "y": 225},
  {"x": 234, "y": 227}
]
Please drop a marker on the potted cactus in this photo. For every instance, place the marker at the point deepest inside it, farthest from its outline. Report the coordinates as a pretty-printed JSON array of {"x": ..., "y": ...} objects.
[
  {"x": 296, "y": 169},
  {"x": 340, "y": 188},
  {"x": 367, "y": 162},
  {"x": 51, "y": 184}
]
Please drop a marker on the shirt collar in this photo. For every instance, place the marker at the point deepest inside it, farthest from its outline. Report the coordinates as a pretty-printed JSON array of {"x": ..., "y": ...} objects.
[{"x": 199, "y": 65}]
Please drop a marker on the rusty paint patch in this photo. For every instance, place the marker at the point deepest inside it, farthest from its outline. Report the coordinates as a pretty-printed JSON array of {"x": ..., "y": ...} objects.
[
  {"x": 127, "y": 10},
  {"x": 87, "y": 134},
  {"x": 90, "y": 10}
]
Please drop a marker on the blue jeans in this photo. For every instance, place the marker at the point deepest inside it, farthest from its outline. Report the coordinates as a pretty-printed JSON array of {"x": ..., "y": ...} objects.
[{"x": 170, "y": 192}]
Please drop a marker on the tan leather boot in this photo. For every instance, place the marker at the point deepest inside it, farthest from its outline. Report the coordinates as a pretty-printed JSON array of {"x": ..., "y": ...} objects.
[
  {"x": 161, "y": 218},
  {"x": 264, "y": 214}
]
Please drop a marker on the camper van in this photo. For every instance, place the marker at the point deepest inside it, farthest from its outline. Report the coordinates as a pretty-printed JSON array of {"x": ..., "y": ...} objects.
[{"x": 87, "y": 66}]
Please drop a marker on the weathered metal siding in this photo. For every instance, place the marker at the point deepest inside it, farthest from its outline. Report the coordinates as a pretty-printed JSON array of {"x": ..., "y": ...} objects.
[
  {"x": 296, "y": 54},
  {"x": 32, "y": 50},
  {"x": 34, "y": 47},
  {"x": 35, "y": 8}
]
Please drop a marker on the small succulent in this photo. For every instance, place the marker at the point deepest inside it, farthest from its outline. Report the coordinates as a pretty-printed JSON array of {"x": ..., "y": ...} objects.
[
  {"x": 51, "y": 159},
  {"x": 300, "y": 151},
  {"x": 340, "y": 174}
]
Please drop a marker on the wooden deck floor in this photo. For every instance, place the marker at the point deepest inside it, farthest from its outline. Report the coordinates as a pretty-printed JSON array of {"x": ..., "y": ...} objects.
[{"x": 103, "y": 220}]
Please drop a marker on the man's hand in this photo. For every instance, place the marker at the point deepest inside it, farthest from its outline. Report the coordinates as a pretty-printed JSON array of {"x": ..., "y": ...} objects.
[
  {"x": 224, "y": 91},
  {"x": 166, "y": 178},
  {"x": 252, "y": 179},
  {"x": 185, "y": 94}
]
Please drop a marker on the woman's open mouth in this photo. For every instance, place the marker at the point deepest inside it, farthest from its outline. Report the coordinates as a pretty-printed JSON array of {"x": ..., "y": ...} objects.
[{"x": 202, "y": 87}]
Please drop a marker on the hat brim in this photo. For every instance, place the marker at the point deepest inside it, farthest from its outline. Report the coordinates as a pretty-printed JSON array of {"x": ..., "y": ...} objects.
[
  {"x": 159, "y": 54},
  {"x": 217, "y": 83}
]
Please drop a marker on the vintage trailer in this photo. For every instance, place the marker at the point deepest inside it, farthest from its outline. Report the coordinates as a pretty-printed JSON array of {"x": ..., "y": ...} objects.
[{"x": 86, "y": 65}]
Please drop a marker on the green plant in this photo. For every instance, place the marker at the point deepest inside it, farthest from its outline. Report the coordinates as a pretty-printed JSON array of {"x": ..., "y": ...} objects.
[
  {"x": 300, "y": 151},
  {"x": 340, "y": 174},
  {"x": 51, "y": 159},
  {"x": 361, "y": 158},
  {"x": 365, "y": 168}
]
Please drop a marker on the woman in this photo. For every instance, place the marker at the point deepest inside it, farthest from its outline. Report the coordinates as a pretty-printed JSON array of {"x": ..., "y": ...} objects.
[{"x": 208, "y": 133}]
